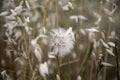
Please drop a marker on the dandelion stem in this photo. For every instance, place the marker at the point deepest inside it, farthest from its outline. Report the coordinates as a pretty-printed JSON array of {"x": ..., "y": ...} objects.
[
  {"x": 58, "y": 64},
  {"x": 69, "y": 65}
]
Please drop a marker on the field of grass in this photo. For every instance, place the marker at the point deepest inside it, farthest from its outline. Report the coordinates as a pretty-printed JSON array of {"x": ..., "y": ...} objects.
[{"x": 59, "y": 40}]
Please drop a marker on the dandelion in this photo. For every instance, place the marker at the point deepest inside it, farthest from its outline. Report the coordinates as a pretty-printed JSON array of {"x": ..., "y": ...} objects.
[{"x": 61, "y": 41}]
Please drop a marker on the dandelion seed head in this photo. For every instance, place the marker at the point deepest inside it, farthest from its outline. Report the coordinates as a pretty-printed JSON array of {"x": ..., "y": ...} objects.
[{"x": 61, "y": 41}]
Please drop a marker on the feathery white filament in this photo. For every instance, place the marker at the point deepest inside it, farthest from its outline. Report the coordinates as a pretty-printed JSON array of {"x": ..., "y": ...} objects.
[{"x": 61, "y": 41}]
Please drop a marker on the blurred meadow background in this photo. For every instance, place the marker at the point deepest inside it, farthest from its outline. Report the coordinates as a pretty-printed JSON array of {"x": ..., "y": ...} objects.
[{"x": 59, "y": 39}]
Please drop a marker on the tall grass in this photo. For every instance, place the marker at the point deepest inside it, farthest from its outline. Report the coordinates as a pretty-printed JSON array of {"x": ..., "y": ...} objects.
[{"x": 59, "y": 40}]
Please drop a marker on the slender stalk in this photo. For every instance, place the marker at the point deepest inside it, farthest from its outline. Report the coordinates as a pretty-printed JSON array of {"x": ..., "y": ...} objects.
[
  {"x": 56, "y": 8},
  {"x": 28, "y": 58},
  {"x": 106, "y": 55},
  {"x": 70, "y": 62},
  {"x": 30, "y": 65},
  {"x": 69, "y": 65},
  {"x": 96, "y": 76},
  {"x": 89, "y": 52},
  {"x": 45, "y": 13},
  {"x": 117, "y": 62},
  {"x": 58, "y": 65},
  {"x": 81, "y": 22},
  {"x": 105, "y": 68},
  {"x": 99, "y": 68},
  {"x": 34, "y": 72},
  {"x": 44, "y": 20},
  {"x": 91, "y": 70}
]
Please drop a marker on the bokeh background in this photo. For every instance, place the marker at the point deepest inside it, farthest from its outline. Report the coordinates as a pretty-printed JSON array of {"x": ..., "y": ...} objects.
[{"x": 95, "y": 23}]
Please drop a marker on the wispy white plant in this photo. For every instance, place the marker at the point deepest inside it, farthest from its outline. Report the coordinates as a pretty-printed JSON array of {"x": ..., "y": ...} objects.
[
  {"x": 104, "y": 44},
  {"x": 27, "y": 4},
  {"x": 68, "y": 6},
  {"x": 99, "y": 18},
  {"x": 111, "y": 44},
  {"x": 58, "y": 77},
  {"x": 107, "y": 64},
  {"x": 43, "y": 68},
  {"x": 4, "y": 13},
  {"x": 37, "y": 49},
  {"x": 17, "y": 10},
  {"x": 79, "y": 78},
  {"x": 93, "y": 29},
  {"x": 77, "y": 17},
  {"x": 110, "y": 51},
  {"x": 61, "y": 41},
  {"x": 108, "y": 12}
]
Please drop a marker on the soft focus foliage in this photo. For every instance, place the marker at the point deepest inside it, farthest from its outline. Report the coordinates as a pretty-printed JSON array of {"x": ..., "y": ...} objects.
[{"x": 59, "y": 39}]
